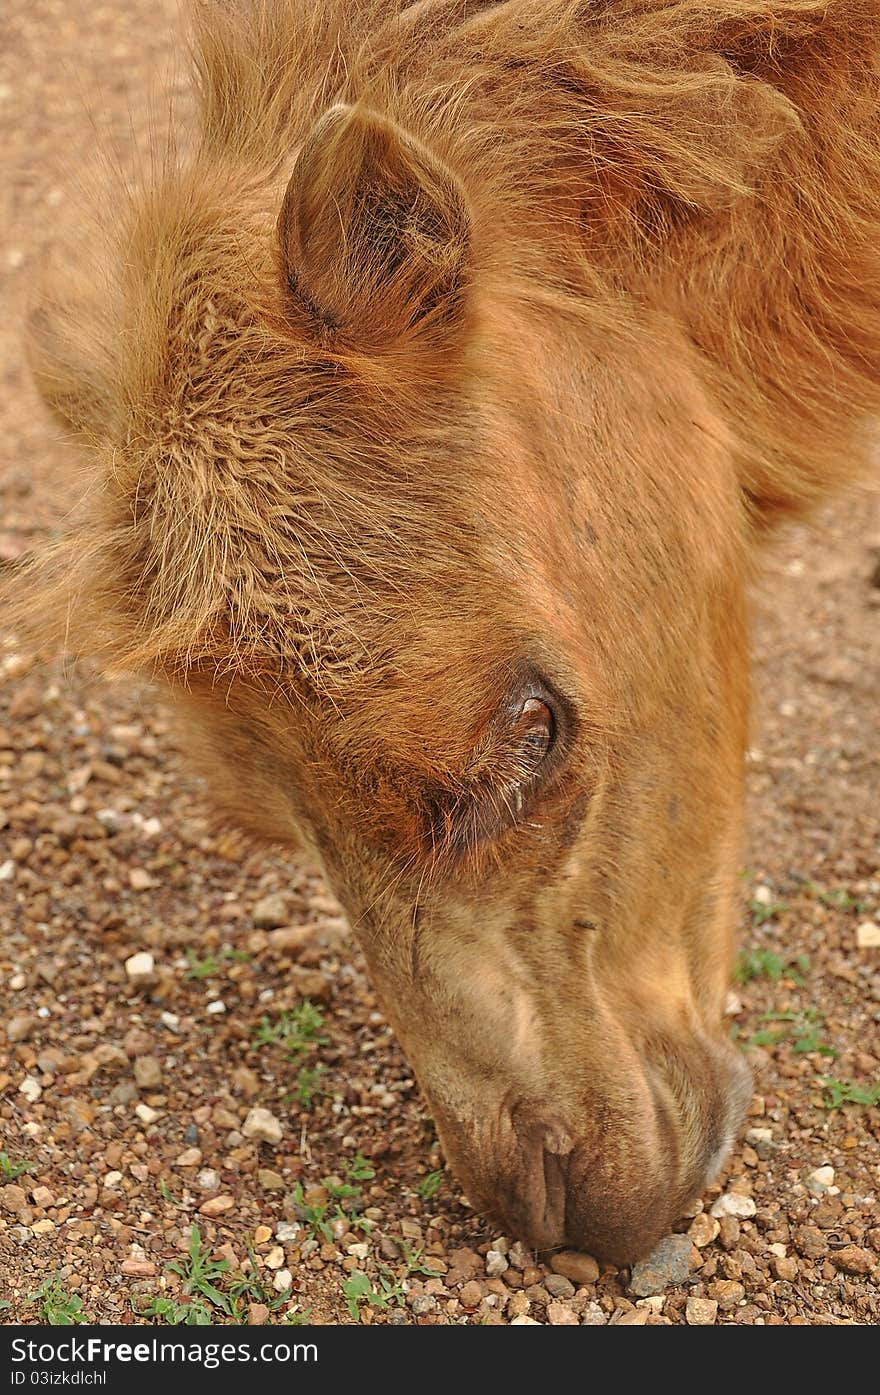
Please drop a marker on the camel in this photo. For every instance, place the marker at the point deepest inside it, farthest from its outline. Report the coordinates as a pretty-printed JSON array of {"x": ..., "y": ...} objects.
[{"x": 438, "y": 396}]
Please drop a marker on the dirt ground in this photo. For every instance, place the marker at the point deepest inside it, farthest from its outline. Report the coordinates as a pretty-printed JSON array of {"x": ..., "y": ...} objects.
[{"x": 126, "y": 1108}]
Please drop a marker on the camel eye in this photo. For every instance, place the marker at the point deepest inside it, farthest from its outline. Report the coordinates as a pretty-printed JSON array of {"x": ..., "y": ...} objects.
[{"x": 534, "y": 733}]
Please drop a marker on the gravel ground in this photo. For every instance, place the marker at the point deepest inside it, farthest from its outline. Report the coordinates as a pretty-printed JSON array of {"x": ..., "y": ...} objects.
[{"x": 187, "y": 1036}]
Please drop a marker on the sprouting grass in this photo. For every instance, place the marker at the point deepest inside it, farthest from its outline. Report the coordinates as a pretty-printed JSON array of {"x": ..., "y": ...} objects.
[
  {"x": 360, "y": 1169},
  {"x": 765, "y": 963},
  {"x": 307, "y": 1085},
  {"x": 209, "y": 966},
  {"x": 297, "y": 1030},
  {"x": 839, "y": 1092},
  {"x": 9, "y": 1170},
  {"x": 838, "y": 899},
  {"x": 800, "y": 1028},
  {"x": 210, "y": 1290},
  {"x": 430, "y": 1185},
  {"x": 359, "y": 1289},
  {"x": 415, "y": 1264},
  {"x": 762, "y": 911},
  {"x": 55, "y": 1307}
]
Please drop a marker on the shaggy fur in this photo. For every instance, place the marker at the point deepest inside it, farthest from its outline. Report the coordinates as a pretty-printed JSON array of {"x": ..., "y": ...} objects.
[{"x": 460, "y": 363}]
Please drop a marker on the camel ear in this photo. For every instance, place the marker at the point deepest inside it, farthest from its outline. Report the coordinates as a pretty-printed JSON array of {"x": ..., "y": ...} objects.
[{"x": 374, "y": 234}]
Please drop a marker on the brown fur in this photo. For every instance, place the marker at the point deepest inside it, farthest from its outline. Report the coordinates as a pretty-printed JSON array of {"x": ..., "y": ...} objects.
[{"x": 471, "y": 349}]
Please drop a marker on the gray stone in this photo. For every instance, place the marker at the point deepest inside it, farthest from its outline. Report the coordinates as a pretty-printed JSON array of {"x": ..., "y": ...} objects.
[
  {"x": 667, "y": 1266},
  {"x": 558, "y": 1286}
]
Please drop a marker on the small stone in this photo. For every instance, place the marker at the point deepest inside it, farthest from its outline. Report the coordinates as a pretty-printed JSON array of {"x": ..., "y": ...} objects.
[
  {"x": 14, "y": 1199},
  {"x": 423, "y": 1303},
  {"x": 558, "y": 1286},
  {"x": 594, "y": 1316},
  {"x": 138, "y": 1268},
  {"x": 271, "y": 912},
  {"x": 141, "y": 969},
  {"x": 820, "y": 1180},
  {"x": 217, "y": 1206},
  {"x": 270, "y": 1181},
  {"x": 208, "y": 1180},
  {"x": 190, "y": 1157},
  {"x": 42, "y": 1197},
  {"x": 282, "y": 1280},
  {"x": 43, "y": 1227},
  {"x": 148, "y": 1072},
  {"x": 852, "y": 1259},
  {"x": 669, "y": 1264},
  {"x": 31, "y": 1089},
  {"x": 572, "y": 1264},
  {"x": 732, "y": 1204},
  {"x": 291, "y": 938},
  {"x": 496, "y": 1264},
  {"x": 139, "y": 879},
  {"x": 470, "y": 1295},
  {"x": 727, "y": 1293},
  {"x": 262, "y": 1126},
  {"x": 216, "y": 1006},
  {"x": 146, "y": 1114},
  {"x": 561, "y": 1315},
  {"x": 286, "y": 1232},
  {"x": 275, "y": 1257},
  {"x": 525, "y": 1321},
  {"x": 868, "y": 935},
  {"x": 258, "y": 1314},
  {"x": 784, "y": 1267},
  {"x": 263, "y": 1234},
  {"x": 20, "y": 1028},
  {"x": 703, "y": 1230},
  {"x": 729, "y": 1233},
  {"x": 245, "y": 1082},
  {"x": 700, "y": 1312}
]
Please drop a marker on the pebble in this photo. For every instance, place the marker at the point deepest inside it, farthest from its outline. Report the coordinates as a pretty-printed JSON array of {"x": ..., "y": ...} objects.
[
  {"x": 14, "y": 1199},
  {"x": 868, "y": 935},
  {"x": 282, "y": 1280},
  {"x": 821, "y": 1180},
  {"x": 270, "y": 1181},
  {"x": 594, "y": 1316},
  {"x": 525, "y": 1321},
  {"x": 190, "y": 1157},
  {"x": 852, "y": 1259},
  {"x": 217, "y": 1205},
  {"x": 784, "y": 1267},
  {"x": 138, "y": 1268},
  {"x": 561, "y": 1315},
  {"x": 148, "y": 1072},
  {"x": 271, "y": 912},
  {"x": 20, "y": 1028},
  {"x": 262, "y": 1126},
  {"x": 558, "y": 1286},
  {"x": 703, "y": 1230},
  {"x": 732, "y": 1204},
  {"x": 141, "y": 969},
  {"x": 423, "y": 1304},
  {"x": 470, "y": 1294},
  {"x": 727, "y": 1293},
  {"x": 216, "y": 1006},
  {"x": 208, "y": 1180},
  {"x": 275, "y": 1257},
  {"x": 579, "y": 1268},
  {"x": 669, "y": 1264},
  {"x": 262, "y": 1234},
  {"x": 700, "y": 1312},
  {"x": 44, "y": 1227},
  {"x": 258, "y": 1314},
  {"x": 496, "y": 1264},
  {"x": 31, "y": 1089},
  {"x": 286, "y": 1232}
]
